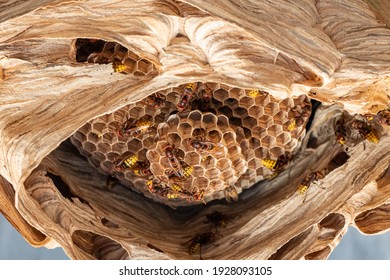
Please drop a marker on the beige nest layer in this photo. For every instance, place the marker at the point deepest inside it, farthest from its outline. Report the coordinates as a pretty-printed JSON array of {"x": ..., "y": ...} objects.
[{"x": 99, "y": 155}]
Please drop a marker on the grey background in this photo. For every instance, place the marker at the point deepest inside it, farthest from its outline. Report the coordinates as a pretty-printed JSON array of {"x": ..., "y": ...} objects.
[{"x": 353, "y": 246}]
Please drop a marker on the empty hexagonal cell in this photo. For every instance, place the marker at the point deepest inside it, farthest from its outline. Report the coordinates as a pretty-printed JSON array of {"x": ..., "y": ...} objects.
[
  {"x": 104, "y": 147},
  {"x": 214, "y": 136},
  {"x": 212, "y": 173},
  {"x": 200, "y": 182},
  {"x": 280, "y": 118},
  {"x": 80, "y": 136},
  {"x": 95, "y": 162},
  {"x": 258, "y": 132},
  {"x": 274, "y": 130},
  {"x": 221, "y": 95},
  {"x": 209, "y": 120},
  {"x": 283, "y": 139},
  {"x": 157, "y": 169},
  {"x": 249, "y": 122},
  {"x": 286, "y": 104},
  {"x": 256, "y": 111},
  {"x": 98, "y": 127},
  {"x": 229, "y": 138},
  {"x": 107, "y": 166},
  {"x": 253, "y": 163},
  {"x": 109, "y": 137},
  {"x": 192, "y": 158},
  {"x": 195, "y": 118},
  {"x": 198, "y": 171},
  {"x": 254, "y": 142},
  {"x": 130, "y": 64},
  {"x": 185, "y": 130},
  {"x": 236, "y": 93},
  {"x": 144, "y": 66},
  {"x": 239, "y": 165},
  {"x": 235, "y": 121},
  {"x": 134, "y": 145},
  {"x": 240, "y": 112},
  {"x": 135, "y": 113},
  {"x": 76, "y": 142},
  {"x": 232, "y": 103},
  {"x": 271, "y": 108},
  {"x": 226, "y": 176},
  {"x": 216, "y": 104},
  {"x": 148, "y": 142},
  {"x": 99, "y": 155},
  {"x": 265, "y": 121},
  {"x": 246, "y": 101},
  {"x": 113, "y": 156},
  {"x": 174, "y": 138},
  {"x": 225, "y": 110},
  {"x": 276, "y": 152},
  {"x": 261, "y": 153},
  {"x": 89, "y": 147},
  {"x": 268, "y": 141}
]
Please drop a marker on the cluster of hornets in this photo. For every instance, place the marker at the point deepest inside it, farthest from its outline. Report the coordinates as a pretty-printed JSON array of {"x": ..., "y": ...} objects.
[{"x": 349, "y": 131}]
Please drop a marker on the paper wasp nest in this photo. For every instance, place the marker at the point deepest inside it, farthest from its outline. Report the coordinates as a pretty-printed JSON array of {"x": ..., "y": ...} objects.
[{"x": 237, "y": 131}]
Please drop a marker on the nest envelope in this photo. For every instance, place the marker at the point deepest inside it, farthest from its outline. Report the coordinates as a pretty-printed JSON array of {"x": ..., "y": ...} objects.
[{"x": 183, "y": 130}]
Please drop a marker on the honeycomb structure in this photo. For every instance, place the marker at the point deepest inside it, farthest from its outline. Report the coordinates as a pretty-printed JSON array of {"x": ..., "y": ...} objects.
[
  {"x": 102, "y": 52},
  {"x": 212, "y": 147}
]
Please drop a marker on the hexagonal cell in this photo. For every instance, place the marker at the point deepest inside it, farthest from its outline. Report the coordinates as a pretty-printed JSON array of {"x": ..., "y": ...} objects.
[
  {"x": 212, "y": 173},
  {"x": 98, "y": 126},
  {"x": 249, "y": 122},
  {"x": 110, "y": 137},
  {"x": 112, "y": 156},
  {"x": 221, "y": 95},
  {"x": 130, "y": 64},
  {"x": 174, "y": 139},
  {"x": 198, "y": 171},
  {"x": 231, "y": 103},
  {"x": 286, "y": 104},
  {"x": 195, "y": 118},
  {"x": 258, "y": 132},
  {"x": 192, "y": 158},
  {"x": 135, "y": 113},
  {"x": 274, "y": 130},
  {"x": 276, "y": 152},
  {"x": 253, "y": 164},
  {"x": 214, "y": 136},
  {"x": 185, "y": 130},
  {"x": 89, "y": 147},
  {"x": 144, "y": 66},
  {"x": 236, "y": 93},
  {"x": 107, "y": 165},
  {"x": 200, "y": 182},
  {"x": 104, "y": 147},
  {"x": 240, "y": 112},
  {"x": 265, "y": 121},
  {"x": 271, "y": 108},
  {"x": 280, "y": 118},
  {"x": 76, "y": 142},
  {"x": 134, "y": 145},
  {"x": 79, "y": 136},
  {"x": 256, "y": 111},
  {"x": 246, "y": 102},
  {"x": 283, "y": 139},
  {"x": 268, "y": 141}
]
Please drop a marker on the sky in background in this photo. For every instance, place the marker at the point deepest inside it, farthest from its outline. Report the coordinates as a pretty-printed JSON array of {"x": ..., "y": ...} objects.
[{"x": 353, "y": 246}]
